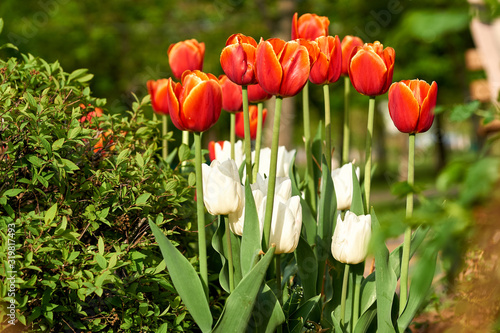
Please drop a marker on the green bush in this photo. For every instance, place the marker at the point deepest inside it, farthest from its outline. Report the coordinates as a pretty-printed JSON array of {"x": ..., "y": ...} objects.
[{"x": 77, "y": 196}]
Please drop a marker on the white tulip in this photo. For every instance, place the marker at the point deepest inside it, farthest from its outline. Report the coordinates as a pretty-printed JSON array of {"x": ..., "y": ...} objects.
[
  {"x": 283, "y": 162},
  {"x": 223, "y": 151},
  {"x": 286, "y": 224},
  {"x": 222, "y": 190},
  {"x": 342, "y": 181},
  {"x": 259, "y": 191},
  {"x": 351, "y": 238}
]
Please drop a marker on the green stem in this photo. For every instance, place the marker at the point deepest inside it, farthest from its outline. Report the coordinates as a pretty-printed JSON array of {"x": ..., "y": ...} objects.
[
  {"x": 232, "y": 134},
  {"x": 310, "y": 192},
  {"x": 357, "y": 291},
  {"x": 407, "y": 238},
  {"x": 229, "y": 254},
  {"x": 279, "y": 294},
  {"x": 272, "y": 174},
  {"x": 346, "y": 135},
  {"x": 185, "y": 140},
  {"x": 258, "y": 138},
  {"x": 202, "y": 246},
  {"x": 164, "y": 141},
  {"x": 368, "y": 150},
  {"x": 248, "y": 142},
  {"x": 344, "y": 294},
  {"x": 328, "y": 126}
]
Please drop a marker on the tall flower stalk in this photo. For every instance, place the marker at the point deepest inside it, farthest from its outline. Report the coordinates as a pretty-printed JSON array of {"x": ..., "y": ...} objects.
[
  {"x": 411, "y": 105},
  {"x": 346, "y": 128},
  {"x": 258, "y": 139},
  {"x": 328, "y": 126},
  {"x": 248, "y": 140},
  {"x": 164, "y": 151},
  {"x": 368, "y": 152},
  {"x": 311, "y": 188}
]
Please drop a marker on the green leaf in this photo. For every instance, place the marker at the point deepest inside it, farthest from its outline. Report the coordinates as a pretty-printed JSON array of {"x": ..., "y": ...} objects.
[
  {"x": 142, "y": 199},
  {"x": 101, "y": 261},
  {"x": 250, "y": 242},
  {"x": 419, "y": 286},
  {"x": 50, "y": 214},
  {"x": 73, "y": 132},
  {"x": 357, "y": 206},
  {"x": 239, "y": 305},
  {"x": 385, "y": 280},
  {"x": 31, "y": 100},
  {"x": 13, "y": 192},
  {"x": 122, "y": 156},
  {"x": 70, "y": 165},
  {"x": 186, "y": 280},
  {"x": 365, "y": 321},
  {"x": 33, "y": 159},
  {"x": 184, "y": 152},
  {"x": 307, "y": 268},
  {"x": 139, "y": 160},
  {"x": 267, "y": 314},
  {"x": 100, "y": 246},
  {"x": 1, "y": 25},
  {"x": 85, "y": 78},
  {"x": 327, "y": 205},
  {"x": 58, "y": 144},
  {"x": 297, "y": 319},
  {"x": 77, "y": 73}
]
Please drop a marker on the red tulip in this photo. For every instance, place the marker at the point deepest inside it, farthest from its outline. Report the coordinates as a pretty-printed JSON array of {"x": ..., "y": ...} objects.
[
  {"x": 371, "y": 67},
  {"x": 327, "y": 67},
  {"x": 232, "y": 100},
  {"x": 282, "y": 67},
  {"x": 195, "y": 105},
  {"x": 348, "y": 44},
  {"x": 238, "y": 59},
  {"x": 211, "y": 149},
  {"x": 309, "y": 26},
  {"x": 186, "y": 55},
  {"x": 158, "y": 91},
  {"x": 312, "y": 49},
  {"x": 254, "y": 113},
  {"x": 257, "y": 94},
  {"x": 411, "y": 105}
]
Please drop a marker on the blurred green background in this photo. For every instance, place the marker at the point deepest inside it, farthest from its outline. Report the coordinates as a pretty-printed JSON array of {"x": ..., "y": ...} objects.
[{"x": 124, "y": 43}]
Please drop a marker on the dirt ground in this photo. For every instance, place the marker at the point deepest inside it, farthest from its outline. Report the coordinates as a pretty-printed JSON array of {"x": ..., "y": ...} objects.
[{"x": 473, "y": 304}]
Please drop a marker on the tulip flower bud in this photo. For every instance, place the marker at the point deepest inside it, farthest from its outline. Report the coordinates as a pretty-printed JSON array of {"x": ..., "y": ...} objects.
[
  {"x": 238, "y": 59},
  {"x": 351, "y": 238},
  {"x": 196, "y": 104},
  {"x": 348, "y": 44},
  {"x": 221, "y": 151},
  {"x": 309, "y": 26},
  {"x": 283, "y": 164},
  {"x": 411, "y": 105},
  {"x": 286, "y": 224},
  {"x": 186, "y": 55},
  {"x": 327, "y": 67},
  {"x": 158, "y": 92},
  {"x": 342, "y": 181},
  {"x": 282, "y": 67},
  {"x": 240, "y": 125},
  {"x": 371, "y": 68},
  {"x": 222, "y": 190},
  {"x": 232, "y": 100}
]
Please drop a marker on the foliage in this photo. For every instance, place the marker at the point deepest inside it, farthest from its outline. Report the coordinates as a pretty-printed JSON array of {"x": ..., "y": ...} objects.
[{"x": 79, "y": 195}]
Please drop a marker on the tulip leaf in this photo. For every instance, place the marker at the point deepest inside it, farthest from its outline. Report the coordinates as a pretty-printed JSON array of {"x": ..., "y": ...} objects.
[
  {"x": 327, "y": 205},
  {"x": 368, "y": 290},
  {"x": 239, "y": 305},
  {"x": 250, "y": 242},
  {"x": 267, "y": 313},
  {"x": 366, "y": 320},
  {"x": 308, "y": 309},
  {"x": 385, "y": 280},
  {"x": 309, "y": 225},
  {"x": 317, "y": 153},
  {"x": 419, "y": 286},
  {"x": 357, "y": 206},
  {"x": 185, "y": 279},
  {"x": 218, "y": 241},
  {"x": 336, "y": 324},
  {"x": 308, "y": 268}
]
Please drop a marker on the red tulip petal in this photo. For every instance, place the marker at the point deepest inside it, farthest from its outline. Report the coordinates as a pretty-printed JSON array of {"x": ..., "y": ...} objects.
[
  {"x": 349, "y": 43},
  {"x": 403, "y": 108},
  {"x": 202, "y": 106},
  {"x": 335, "y": 68},
  {"x": 173, "y": 91},
  {"x": 231, "y": 95},
  {"x": 295, "y": 32},
  {"x": 427, "y": 109},
  {"x": 257, "y": 94},
  {"x": 296, "y": 67},
  {"x": 187, "y": 55},
  {"x": 319, "y": 71},
  {"x": 238, "y": 62},
  {"x": 269, "y": 71},
  {"x": 368, "y": 72}
]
